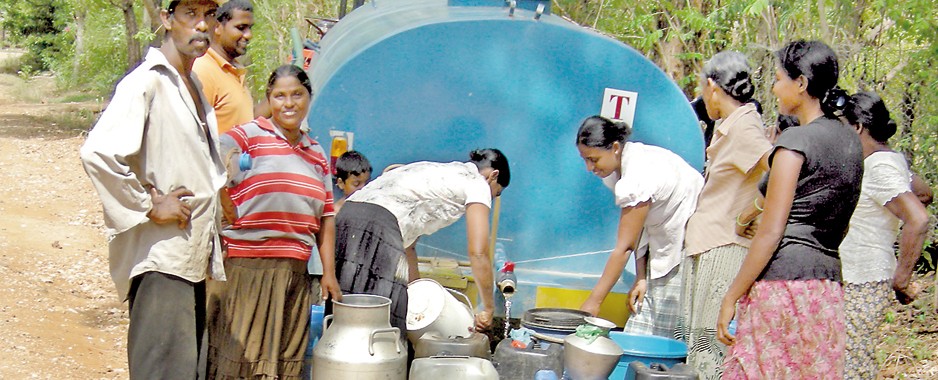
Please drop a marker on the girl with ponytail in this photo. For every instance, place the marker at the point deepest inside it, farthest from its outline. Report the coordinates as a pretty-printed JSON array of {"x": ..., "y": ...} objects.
[
  {"x": 872, "y": 277},
  {"x": 790, "y": 322},
  {"x": 657, "y": 192}
]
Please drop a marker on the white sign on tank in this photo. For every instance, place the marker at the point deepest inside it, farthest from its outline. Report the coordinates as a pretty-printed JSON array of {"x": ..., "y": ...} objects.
[{"x": 619, "y": 105}]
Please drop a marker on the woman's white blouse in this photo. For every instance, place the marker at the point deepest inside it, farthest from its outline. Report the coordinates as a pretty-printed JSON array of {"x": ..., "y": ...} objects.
[
  {"x": 867, "y": 253},
  {"x": 651, "y": 173}
]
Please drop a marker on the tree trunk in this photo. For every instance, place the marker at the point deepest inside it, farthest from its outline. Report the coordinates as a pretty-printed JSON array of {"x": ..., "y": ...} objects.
[
  {"x": 134, "y": 54},
  {"x": 79, "y": 41},
  {"x": 151, "y": 17},
  {"x": 822, "y": 20}
]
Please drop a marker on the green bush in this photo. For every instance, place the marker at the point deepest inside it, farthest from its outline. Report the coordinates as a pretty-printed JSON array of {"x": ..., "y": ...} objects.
[
  {"x": 37, "y": 26},
  {"x": 104, "y": 60}
]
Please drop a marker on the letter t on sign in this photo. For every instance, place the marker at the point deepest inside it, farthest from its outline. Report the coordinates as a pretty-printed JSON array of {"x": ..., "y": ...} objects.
[{"x": 619, "y": 105}]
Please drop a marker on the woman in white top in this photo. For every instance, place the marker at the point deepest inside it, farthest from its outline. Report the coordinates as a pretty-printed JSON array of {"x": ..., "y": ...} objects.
[
  {"x": 657, "y": 191},
  {"x": 379, "y": 221},
  {"x": 870, "y": 272}
]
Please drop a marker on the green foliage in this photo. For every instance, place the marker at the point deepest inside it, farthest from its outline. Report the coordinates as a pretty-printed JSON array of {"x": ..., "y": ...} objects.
[
  {"x": 104, "y": 46},
  {"x": 271, "y": 45},
  {"x": 37, "y": 26}
]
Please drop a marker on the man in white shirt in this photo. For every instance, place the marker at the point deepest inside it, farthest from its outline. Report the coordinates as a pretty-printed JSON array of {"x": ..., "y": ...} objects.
[{"x": 153, "y": 159}]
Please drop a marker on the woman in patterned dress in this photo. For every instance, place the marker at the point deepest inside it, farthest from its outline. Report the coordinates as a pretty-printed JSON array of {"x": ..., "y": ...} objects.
[{"x": 872, "y": 278}]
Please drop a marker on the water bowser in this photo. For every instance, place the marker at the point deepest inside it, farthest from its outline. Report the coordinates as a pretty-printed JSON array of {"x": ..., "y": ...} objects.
[{"x": 413, "y": 80}]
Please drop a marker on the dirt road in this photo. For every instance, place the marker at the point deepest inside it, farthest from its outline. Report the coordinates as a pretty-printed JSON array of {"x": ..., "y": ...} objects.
[{"x": 60, "y": 317}]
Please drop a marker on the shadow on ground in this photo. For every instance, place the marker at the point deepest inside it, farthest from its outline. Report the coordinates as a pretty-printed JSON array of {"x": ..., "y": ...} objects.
[{"x": 63, "y": 125}]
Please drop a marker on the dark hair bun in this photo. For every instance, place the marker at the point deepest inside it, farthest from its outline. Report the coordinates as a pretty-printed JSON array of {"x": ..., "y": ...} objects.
[
  {"x": 742, "y": 88},
  {"x": 834, "y": 101},
  {"x": 495, "y": 159},
  {"x": 884, "y": 132},
  {"x": 867, "y": 110},
  {"x": 600, "y": 132}
]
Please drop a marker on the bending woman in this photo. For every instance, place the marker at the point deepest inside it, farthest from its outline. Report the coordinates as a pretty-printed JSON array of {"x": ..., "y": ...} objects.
[
  {"x": 657, "y": 191},
  {"x": 735, "y": 166},
  {"x": 379, "y": 221},
  {"x": 871, "y": 277},
  {"x": 283, "y": 200},
  {"x": 790, "y": 320}
]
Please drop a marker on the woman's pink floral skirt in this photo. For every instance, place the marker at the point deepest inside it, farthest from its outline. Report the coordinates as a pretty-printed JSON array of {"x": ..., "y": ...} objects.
[{"x": 789, "y": 330}]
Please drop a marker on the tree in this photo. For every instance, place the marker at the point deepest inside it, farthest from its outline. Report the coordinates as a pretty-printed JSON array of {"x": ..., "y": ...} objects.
[
  {"x": 36, "y": 25},
  {"x": 134, "y": 51}
]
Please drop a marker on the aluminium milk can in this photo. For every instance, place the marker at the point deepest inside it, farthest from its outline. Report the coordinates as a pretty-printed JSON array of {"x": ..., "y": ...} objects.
[{"x": 358, "y": 342}]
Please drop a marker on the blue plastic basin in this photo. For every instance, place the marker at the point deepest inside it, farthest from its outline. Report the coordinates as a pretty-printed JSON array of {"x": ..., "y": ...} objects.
[{"x": 646, "y": 349}]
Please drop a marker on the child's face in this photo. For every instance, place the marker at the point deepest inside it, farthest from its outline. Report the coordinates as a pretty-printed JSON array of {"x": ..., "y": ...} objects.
[{"x": 353, "y": 183}]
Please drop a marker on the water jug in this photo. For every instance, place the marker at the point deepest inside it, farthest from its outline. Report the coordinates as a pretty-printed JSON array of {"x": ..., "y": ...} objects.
[
  {"x": 585, "y": 360},
  {"x": 433, "y": 308},
  {"x": 433, "y": 344},
  {"x": 452, "y": 368},
  {"x": 515, "y": 363},
  {"x": 358, "y": 342}
]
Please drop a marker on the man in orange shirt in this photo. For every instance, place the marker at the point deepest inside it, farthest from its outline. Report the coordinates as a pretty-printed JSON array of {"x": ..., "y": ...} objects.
[
  {"x": 222, "y": 78},
  {"x": 221, "y": 75}
]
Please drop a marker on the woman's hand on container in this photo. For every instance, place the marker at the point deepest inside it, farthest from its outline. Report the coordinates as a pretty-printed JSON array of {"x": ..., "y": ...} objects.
[
  {"x": 483, "y": 320},
  {"x": 330, "y": 288},
  {"x": 591, "y": 306},
  {"x": 637, "y": 295},
  {"x": 727, "y": 312}
]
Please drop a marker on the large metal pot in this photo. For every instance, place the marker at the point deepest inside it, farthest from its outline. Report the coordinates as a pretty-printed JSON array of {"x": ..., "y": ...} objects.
[
  {"x": 585, "y": 360},
  {"x": 360, "y": 343}
]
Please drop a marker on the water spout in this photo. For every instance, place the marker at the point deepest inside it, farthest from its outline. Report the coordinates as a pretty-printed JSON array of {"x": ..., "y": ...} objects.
[{"x": 506, "y": 282}]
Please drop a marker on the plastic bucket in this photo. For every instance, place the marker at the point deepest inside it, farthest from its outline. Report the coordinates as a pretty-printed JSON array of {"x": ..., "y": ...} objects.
[
  {"x": 433, "y": 308},
  {"x": 646, "y": 349}
]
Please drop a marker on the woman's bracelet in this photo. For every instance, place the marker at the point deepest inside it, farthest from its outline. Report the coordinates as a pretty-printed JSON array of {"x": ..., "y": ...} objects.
[
  {"x": 755, "y": 202},
  {"x": 741, "y": 224}
]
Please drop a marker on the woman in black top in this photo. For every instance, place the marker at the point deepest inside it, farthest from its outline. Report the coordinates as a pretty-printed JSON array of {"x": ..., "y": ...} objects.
[{"x": 791, "y": 317}]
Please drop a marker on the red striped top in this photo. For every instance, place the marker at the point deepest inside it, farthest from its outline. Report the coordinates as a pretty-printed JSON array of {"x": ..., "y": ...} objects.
[{"x": 281, "y": 198}]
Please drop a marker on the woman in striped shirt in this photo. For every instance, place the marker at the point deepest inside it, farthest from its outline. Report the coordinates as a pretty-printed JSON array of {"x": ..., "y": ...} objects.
[{"x": 281, "y": 186}]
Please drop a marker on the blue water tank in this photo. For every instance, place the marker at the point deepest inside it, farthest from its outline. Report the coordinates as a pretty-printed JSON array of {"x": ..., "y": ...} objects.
[{"x": 431, "y": 80}]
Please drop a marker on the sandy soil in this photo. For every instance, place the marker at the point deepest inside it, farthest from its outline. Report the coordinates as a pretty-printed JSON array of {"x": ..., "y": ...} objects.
[{"x": 60, "y": 317}]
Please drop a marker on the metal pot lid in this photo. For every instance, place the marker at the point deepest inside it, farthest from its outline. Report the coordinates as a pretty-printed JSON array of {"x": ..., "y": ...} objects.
[{"x": 554, "y": 318}]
